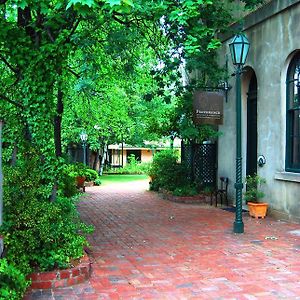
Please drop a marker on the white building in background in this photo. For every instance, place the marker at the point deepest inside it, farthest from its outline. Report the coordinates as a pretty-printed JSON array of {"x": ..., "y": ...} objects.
[{"x": 143, "y": 154}]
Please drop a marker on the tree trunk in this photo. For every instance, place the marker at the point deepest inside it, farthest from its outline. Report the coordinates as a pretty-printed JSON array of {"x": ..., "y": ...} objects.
[
  {"x": 103, "y": 160},
  {"x": 57, "y": 135},
  {"x": 14, "y": 155},
  {"x": 96, "y": 159},
  {"x": 27, "y": 133},
  {"x": 172, "y": 143},
  {"x": 54, "y": 192}
]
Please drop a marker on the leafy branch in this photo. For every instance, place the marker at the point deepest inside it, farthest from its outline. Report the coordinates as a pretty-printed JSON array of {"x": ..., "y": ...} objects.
[{"x": 15, "y": 103}]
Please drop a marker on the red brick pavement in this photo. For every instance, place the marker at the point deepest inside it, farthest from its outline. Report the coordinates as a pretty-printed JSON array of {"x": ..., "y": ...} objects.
[{"x": 144, "y": 247}]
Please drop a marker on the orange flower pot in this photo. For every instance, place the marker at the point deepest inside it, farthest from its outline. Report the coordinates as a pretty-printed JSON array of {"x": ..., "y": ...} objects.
[
  {"x": 80, "y": 182},
  {"x": 258, "y": 210}
]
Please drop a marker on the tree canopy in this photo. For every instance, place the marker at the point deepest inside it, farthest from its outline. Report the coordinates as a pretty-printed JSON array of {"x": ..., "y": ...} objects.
[{"x": 114, "y": 64}]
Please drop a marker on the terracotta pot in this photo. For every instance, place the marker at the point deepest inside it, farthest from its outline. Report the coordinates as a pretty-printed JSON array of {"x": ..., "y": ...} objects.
[
  {"x": 89, "y": 183},
  {"x": 80, "y": 182},
  {"x": 257, "y": 210},
  {"x": 151, "y": 178}
]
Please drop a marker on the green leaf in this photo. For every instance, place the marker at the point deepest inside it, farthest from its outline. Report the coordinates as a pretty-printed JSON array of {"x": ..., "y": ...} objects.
[
  {"x": 113, "y": 2},
  {"x": 22, "y": 4},
  {"x": 89, "y": 3},
  {"x": 128, "y": 2}
]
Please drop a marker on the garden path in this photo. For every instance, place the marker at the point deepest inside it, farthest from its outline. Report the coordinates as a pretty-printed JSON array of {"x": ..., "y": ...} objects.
[{"x": 144, "y": 247}]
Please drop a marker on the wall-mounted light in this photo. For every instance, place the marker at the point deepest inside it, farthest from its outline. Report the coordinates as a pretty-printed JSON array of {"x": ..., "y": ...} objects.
[
  {"x": 261, "y": 161},
  {"x": 226, "y": 87}
]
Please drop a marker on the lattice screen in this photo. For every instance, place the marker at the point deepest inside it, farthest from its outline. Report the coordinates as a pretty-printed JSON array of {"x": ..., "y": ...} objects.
[{"x": 201, "y": 160}]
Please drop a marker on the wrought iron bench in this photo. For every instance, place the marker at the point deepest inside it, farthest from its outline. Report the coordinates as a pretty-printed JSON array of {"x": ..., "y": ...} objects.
[{"x": 220, "y": 192}]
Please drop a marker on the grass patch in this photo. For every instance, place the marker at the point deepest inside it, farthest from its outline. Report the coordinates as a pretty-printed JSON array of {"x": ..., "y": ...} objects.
[{"x": 109, "y": 179}]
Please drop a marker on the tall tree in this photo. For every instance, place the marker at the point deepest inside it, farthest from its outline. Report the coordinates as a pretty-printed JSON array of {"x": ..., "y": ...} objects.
[{"x": 40, "y": 42}]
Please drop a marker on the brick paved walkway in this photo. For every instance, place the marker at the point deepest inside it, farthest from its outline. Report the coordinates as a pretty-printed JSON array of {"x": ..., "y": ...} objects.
[{"x": 148, "y": 248}]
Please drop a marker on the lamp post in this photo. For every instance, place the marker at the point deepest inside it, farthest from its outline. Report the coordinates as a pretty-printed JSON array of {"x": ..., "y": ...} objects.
[
  {"x": 83, "y": 137},
  {"x": 172, "y": 137},
  {"x": 239, "y": 48},
  {"x": 1, "y": 188}
]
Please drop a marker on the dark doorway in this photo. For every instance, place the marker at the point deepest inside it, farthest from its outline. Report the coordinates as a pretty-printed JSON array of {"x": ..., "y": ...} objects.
[
  {"x": 137, "y": 154},
  {"x": 251, "y": 167}
]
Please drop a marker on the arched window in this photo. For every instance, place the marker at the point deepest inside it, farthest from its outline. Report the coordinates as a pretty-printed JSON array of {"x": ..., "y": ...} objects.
[{"x": 293, "y": 116}]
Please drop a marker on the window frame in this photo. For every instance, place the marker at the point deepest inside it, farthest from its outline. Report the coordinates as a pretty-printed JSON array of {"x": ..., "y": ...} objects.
[{"x": 294, "y": 67}]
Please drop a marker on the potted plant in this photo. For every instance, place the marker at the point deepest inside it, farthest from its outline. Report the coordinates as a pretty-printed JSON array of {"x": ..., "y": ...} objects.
[
  {"x": 79, "y": 173},
  {"x": 80, "y": 180},
  {"x": 253, "y": 194}
]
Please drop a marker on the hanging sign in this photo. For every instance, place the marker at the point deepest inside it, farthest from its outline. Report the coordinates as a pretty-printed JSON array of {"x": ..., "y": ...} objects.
[{"x": 208, "y": 107}]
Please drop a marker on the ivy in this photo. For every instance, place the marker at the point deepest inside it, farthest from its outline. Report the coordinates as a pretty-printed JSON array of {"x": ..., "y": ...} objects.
[{"x": 111, "y": 67}]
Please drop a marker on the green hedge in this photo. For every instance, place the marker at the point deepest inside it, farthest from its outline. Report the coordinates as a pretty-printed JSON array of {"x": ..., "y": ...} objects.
[
  {"x": 166, "y": 172},
  {"x": 38, "y": 234},
  {"x": 12, "y": 282}
]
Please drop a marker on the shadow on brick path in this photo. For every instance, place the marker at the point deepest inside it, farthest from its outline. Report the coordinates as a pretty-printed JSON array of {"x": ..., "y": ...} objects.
[{"x": 144, "y": 247}]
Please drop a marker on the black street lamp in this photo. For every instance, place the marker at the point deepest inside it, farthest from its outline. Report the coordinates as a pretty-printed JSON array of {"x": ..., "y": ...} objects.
[
  {"x": 83, "y": 137},
  {"x": 239, "y": 48},
  {"x": 1, "y": 188}
]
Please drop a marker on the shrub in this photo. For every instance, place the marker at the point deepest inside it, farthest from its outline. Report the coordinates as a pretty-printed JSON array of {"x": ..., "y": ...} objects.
[
  {"x": 132, "y": 167},
  {"x": 187, "y": 190},
  {"x": 253, "y": 185},
  {"x": 67, "y": 184},
  {"x": 166, "y": 172},
  {"x": 12, "y": 282},
  {"x": 43, "y": 235},
  {"x": 79, "y": 169},
  {"x": 38, "y": 234},
  {"x": 97, "y": 181},
  {"x": 90, "y": 174}
]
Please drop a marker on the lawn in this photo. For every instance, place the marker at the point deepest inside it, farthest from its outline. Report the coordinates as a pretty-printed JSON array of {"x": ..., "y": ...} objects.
[{"x": 108, "y": 179}]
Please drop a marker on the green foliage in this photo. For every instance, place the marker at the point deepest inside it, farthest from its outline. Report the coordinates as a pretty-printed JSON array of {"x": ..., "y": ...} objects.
[
  {"x": 97, "y": 181},
  {"x": 253, "y": 185},
  {"x": 38, "y": 233},
  {"x": 43, "y": 235},
  {"x": 77, "y": 169},
  {"x": 28, "y": 179},
  {"x": 132, "y": 167},
  {"x": 116, "y": 75},
  {"x": 86, "y": 52},
  {"x": 67, "y": 184},
  {"x": 187, "y": 190},
  {"x": 208, "y": 190},
  {"x": 166, "y": 172},
  {"x": 90, "y": 174},
  {"x": 80, "y": 169},
  {"x": 250, "y": 4},
  {"x": 203, "y": 187},
  {"x": 12, "y": 282}
]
